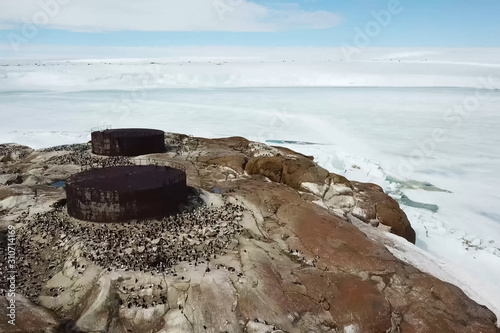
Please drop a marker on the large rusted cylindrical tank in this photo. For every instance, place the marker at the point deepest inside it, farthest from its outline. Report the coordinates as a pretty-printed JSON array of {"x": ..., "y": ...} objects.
[
  {"x": 128, "y": 142},
  {"x": 125, "y": 193}
]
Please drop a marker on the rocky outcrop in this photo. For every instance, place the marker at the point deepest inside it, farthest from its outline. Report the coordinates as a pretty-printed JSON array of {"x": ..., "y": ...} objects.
[
  {"x": 374, "y": 205},
  {"x": 297, "y": 264},
  {"x": 13, "y": 152},
  {"x": 366, "y": 201},
  {"x": 26, "y": 316},
  {"x": 292, "y": 171},
  {"x": 235, "y": 162}
]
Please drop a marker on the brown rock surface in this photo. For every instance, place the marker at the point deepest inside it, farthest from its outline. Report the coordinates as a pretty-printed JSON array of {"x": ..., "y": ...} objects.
[
  {"x": 13, "y": 152},
  {"x": 378, "y": 205},
  {"x": 292, "y": 171},
  {"x": 298, "y": 265},
  {"x": 27, "y": 317},
  {"x": 235, "y": 162}
]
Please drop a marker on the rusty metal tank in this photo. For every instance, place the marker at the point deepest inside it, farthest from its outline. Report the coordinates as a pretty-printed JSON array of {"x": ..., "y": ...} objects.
[
  {"x": 124, "y": 193},
  {"x": 127, "y": 142}
]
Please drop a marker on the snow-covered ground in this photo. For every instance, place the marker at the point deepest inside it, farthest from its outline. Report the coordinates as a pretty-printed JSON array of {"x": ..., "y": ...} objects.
[{"x": 423, "y": 124}]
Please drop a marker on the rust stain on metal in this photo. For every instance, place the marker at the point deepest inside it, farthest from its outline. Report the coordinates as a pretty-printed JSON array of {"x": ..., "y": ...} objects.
[
  {"x": 128, "y": 142},
  {"x": 124, "y": 193}
]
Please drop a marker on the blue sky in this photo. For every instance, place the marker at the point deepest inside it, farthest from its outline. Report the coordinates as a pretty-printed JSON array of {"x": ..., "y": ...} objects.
[{"x": 323, "y": 23}]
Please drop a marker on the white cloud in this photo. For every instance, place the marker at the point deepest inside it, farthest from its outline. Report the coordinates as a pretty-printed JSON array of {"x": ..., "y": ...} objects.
[{"x": 163, "y": 15}]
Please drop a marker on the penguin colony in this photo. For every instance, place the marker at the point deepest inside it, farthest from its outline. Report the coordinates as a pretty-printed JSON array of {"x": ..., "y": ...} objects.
[
  {"x": 79, "y": 154},
  {"x": 155, "y": 247},
  {"x": 86, "y": 160},
  {"x": 197, "y": 237},
  {"x": 78, "y": 147},
  {"x": 7, "y": 151}
]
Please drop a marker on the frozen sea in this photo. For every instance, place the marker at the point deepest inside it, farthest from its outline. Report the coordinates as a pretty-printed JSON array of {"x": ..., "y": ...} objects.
[{"x": 425, "y": 126}]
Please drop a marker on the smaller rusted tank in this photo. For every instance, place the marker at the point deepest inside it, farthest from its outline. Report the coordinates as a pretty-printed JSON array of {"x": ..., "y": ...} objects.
[{"x": 128, "y": 142}]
